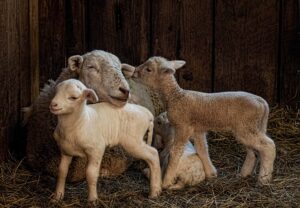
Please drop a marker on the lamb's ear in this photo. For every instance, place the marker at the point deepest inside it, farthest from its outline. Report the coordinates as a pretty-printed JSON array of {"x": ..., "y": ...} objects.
[
  {"x": 75, "y": 63},
  {"x": 177, "y": 64},
  {"x": 168, "y": 70},
  {"x": 127, "y": 70},
  {"x": 90, "y": 95}
]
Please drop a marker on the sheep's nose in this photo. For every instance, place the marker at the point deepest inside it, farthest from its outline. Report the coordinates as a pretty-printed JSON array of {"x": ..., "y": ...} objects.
[
  {"x": 53, "y": 104},
  {"x": 124, "y": 91}
]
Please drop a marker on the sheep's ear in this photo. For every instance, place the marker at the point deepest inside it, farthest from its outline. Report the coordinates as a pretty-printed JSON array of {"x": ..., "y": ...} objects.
[
  {"x": 90, "y": 95},
  {"x": 127, "y": 70},
  {"x": 168, "y": 71},
  {"x": 75, "y": 63},
  {"x": 177, "y": 64}
]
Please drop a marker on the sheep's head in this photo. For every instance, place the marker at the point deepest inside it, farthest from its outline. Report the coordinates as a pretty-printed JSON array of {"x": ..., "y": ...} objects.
[
  {"x": 103, "y": 72},
  {"x": 70, "y": 95},
  {"x": 154, "y": 70},
  {"x": 162, "y": 130}
]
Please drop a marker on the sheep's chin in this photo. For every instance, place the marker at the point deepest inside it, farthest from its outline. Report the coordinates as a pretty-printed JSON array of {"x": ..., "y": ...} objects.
[{"x": 117, "y": 102}]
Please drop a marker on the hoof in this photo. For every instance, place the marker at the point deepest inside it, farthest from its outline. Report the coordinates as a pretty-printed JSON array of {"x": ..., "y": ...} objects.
[
  {"x": 154, "y": 194},
  {"x": 264, "y": 180},
  {"x": 93, "y": 203}
]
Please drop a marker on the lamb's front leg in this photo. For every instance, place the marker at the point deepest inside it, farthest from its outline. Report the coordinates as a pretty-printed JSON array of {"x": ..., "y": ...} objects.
[
  {"x": 61, "y": 178},
  {"x": 92, "y": 173},
  {"x": 181, "y": 138},
  {"x": 202, "y": 151}
]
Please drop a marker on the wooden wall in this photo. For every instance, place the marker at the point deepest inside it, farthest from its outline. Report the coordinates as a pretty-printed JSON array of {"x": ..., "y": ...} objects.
[{"x": 251, "y": 45}]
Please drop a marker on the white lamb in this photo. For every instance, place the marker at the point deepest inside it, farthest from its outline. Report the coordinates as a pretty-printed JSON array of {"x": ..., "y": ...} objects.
[
  {"x": 86, "y": 130},
  {"x": 194, "y": 113}
]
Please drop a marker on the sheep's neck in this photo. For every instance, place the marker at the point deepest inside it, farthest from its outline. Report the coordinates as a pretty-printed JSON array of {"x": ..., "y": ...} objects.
[
  {"x": 74, "y": 119},
  {"x": 170, "y": 90}
]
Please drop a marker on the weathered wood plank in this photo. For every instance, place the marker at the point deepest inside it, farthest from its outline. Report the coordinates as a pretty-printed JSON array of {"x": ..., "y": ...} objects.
[
  {"x": 247, "y": 46},
  {"x": 34, "y": 48},
  {"x": 165, "y": 17},
  {"x": 52, "y": 44},
  {"x": 75, "y": 27},
  {"x": 134, "y": 28},
  {"x": 102, "y": 25},
  {"x": 290, "y": 53},
  {"x": 195, "y": 36},
  {"x": 14, "y": 70}
]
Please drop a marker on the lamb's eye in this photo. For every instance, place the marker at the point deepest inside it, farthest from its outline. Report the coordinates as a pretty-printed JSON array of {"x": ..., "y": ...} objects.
[
  {"x": 73, "y": 98},
  {"x": 90, "y": 67},
  {"x": 148, "y": 70},
  {"x": 159, "y": 123}
]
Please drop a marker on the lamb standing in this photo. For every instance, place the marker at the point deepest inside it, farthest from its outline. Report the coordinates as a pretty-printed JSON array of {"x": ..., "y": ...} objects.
[
  {"x": 194, "y": 113},
  {"x": 190, "y": 169},
  {"x": 86, "y": 130}
]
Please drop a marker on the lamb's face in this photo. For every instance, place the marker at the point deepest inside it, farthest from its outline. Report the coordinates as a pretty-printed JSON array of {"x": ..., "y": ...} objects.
[
  {"x": 70, "y": 95},
  {"x": 155, "y": 70},
  {"x": 161, "y": 128},
  {"x": 102, "y": 72}
]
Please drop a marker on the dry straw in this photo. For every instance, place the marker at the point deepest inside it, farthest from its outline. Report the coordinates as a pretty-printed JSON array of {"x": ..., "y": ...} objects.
[{"x": 21, "y": 188}]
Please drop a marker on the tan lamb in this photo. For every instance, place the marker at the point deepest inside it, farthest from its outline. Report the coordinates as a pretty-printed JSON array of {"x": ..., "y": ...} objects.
[
  {"x": 194, "y": 113},
  {"x": 86, "y": 130}
]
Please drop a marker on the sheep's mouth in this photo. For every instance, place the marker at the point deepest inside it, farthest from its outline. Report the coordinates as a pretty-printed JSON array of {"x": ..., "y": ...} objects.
[
  {"x": 55, "y": 110},
  {"x": 122, "y": 99}
]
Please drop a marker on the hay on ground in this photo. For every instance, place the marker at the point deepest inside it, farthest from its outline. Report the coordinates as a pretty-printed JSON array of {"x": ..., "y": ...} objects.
[{"x": 21, "y": 188}]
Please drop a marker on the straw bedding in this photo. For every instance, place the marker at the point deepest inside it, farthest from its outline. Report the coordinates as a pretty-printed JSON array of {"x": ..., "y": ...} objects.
[{"x": 21, "y": 188}]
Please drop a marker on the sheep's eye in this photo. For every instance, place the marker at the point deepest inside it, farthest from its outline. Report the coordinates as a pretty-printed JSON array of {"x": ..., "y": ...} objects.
[
  {"x": 148, "y": 70},
  {"x": 159, "y": 123},
  {"x": 90, "y": 67},
  {"x": 73, "y": 98}
]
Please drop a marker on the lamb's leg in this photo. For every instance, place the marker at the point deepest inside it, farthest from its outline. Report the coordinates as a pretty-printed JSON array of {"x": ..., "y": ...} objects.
[
  {"x": 150, "y": 155},
  {"x": 181, "y": 138},
  {"x": 62, "y": 175},
  {"x": 267, "y": 152},
  {"x": 92, "y": 174},
  {"x": 202, "y": 151},
  {"x": 249, "y": 163}
]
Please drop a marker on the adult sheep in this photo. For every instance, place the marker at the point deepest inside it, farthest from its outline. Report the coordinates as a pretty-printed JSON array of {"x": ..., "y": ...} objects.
[{"x": 104, "y": 73}]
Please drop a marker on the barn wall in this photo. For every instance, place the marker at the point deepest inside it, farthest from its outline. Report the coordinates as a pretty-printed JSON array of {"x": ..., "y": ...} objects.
[{"x": 251, "y": 45}]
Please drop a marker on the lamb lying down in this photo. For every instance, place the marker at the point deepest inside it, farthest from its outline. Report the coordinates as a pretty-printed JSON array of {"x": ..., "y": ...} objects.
[
  {"x": 86, "y": 130},
  {"x": 190, "y": 169}
]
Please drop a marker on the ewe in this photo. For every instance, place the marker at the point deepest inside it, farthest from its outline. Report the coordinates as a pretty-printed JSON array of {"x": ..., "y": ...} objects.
[
  {"x": 194, "y": 113},
  {"x": 86, "y": 130}
]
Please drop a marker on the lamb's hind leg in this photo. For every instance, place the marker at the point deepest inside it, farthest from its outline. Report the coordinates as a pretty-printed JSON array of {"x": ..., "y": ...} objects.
[
  {"x": 267, "y": 152},
  {"x": 150, "y": 155},
  {"x": 249, "y": 163},
  {"x": 202, "y": 151}
]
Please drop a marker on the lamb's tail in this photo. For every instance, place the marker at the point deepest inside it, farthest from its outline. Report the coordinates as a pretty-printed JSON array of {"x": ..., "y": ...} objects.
[
  {"x": 265, "y": 115},
  {"x": 150, "y": 133},
  {"x": 26, "y": 112}
]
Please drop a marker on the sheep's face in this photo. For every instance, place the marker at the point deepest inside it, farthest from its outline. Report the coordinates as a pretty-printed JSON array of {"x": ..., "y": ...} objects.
[
  {"x": 154, "y": 70},
  {"x": 70, "y": 95},
  {"x": 101, "y": 71}
]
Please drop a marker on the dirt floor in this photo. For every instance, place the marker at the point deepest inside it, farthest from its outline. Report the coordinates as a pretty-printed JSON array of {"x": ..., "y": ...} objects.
[{"x": 21, "y": 188}]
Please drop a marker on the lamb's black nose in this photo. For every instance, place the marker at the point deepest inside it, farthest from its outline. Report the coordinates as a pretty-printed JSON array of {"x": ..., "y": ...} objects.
[{"x": 124, "y": 91}]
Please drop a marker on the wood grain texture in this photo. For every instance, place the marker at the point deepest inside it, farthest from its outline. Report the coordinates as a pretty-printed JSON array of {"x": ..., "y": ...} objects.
[
  {"x": 165, "y": 16},
  {"x": 290, "y": 53},
  {"x": 103, "y": 26},
  {"x": 247, "y": 46},
  {"x": 195, "y": 36},
  {"x": 52, "y": 44},
  {"x": 75, "y": 27},
  {"x": 134, "y": 28},
  {"x": 14, "y": 71}
]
